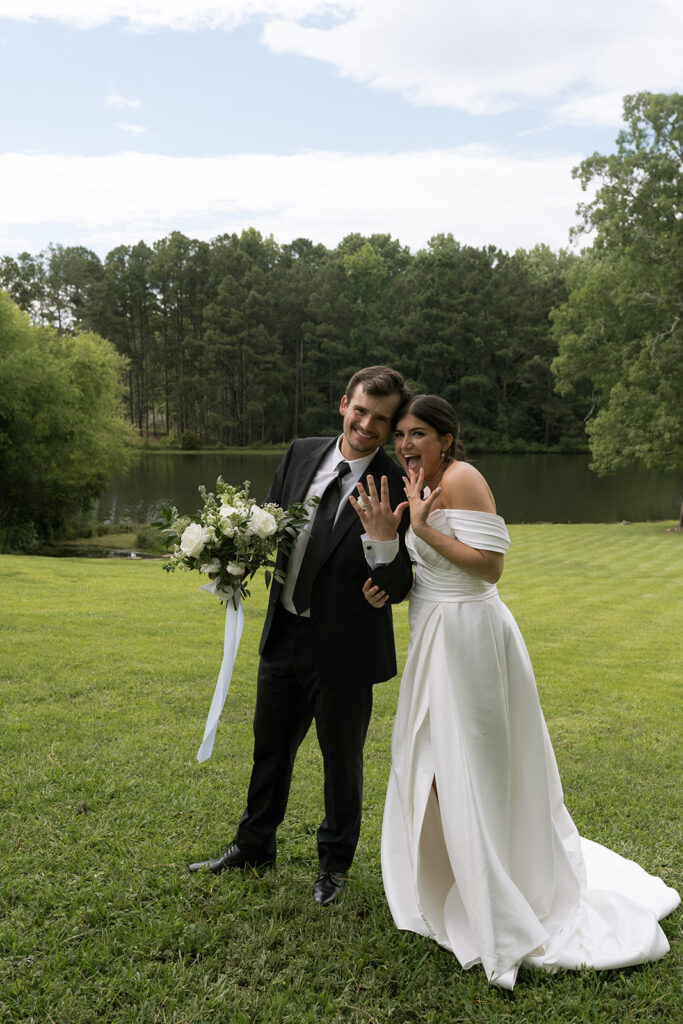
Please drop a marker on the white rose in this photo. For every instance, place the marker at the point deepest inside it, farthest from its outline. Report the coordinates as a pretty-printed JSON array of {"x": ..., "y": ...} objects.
[
  {"x": 212, "y": 587},
  {"x": 193, "y": 540},
  {"x": 262, "y": 523},
  {"x": 211, "y": 568},
  {"x": 225, "y": 593},
  {"x": 225, "y": 526},
  {"x": 236, "y": 568}
]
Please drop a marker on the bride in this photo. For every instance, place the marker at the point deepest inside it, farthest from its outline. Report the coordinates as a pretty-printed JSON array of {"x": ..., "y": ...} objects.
[{"x": 478, "y": 850}]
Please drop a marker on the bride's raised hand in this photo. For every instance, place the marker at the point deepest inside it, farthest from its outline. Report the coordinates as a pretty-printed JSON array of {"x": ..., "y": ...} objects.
[
  {"x": 419, "y": 507},
  {"x": 374, "y": 510}
]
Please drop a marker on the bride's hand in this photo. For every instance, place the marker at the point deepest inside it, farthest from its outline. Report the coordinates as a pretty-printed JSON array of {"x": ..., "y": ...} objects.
[
  {"x": 419, "y": 507},
  {"x": 374, "y": 511},
  {"x": 373, "y": 595}
]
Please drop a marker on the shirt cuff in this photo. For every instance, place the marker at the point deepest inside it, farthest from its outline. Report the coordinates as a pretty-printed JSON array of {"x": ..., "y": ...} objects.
[{"x": 379, "y": 552}]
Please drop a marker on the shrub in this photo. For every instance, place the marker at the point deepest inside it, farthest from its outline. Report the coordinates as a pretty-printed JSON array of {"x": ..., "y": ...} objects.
[{"x": 190, "y": 442}]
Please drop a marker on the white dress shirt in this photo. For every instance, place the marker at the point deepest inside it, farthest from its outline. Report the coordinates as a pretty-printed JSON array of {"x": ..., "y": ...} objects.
[{"x": 376, "y": 552}]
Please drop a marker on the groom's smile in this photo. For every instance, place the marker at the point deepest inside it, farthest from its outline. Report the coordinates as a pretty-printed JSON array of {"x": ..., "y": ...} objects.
[{"x": 367, "y": 421}]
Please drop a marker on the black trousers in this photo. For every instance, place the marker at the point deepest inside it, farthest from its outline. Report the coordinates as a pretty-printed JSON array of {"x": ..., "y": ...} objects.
[{"x": 290, "y": 695}]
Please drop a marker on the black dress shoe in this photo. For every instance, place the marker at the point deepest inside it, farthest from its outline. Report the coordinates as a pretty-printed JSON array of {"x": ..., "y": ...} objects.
[
  {"x": 327, "y": 887},
  {"x": 232, "y": 858}
]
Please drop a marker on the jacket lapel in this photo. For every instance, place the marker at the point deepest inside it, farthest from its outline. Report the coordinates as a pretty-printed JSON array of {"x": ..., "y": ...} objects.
[
  {"x": 299, "y": 475},
  {"x": 348, "y": 516},
  {"x": 306, "y": 468}
]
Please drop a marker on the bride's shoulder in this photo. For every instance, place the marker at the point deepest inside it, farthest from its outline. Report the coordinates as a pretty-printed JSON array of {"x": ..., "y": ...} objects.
[{"x": 464, "y": 487}]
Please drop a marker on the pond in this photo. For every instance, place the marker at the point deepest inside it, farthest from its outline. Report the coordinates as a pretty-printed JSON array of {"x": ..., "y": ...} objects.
[{"x": 527, "y": 488}]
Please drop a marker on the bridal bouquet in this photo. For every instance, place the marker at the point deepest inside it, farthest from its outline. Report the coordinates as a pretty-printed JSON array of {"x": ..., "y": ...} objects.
[{"x": 231, "y": 538}]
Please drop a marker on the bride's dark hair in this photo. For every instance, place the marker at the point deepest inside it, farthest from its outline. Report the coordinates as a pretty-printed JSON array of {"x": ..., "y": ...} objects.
[{"x": 440, "y": 414}]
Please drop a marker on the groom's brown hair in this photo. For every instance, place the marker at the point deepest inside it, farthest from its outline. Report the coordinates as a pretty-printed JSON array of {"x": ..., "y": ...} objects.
[{"x": 381, "y": 380}]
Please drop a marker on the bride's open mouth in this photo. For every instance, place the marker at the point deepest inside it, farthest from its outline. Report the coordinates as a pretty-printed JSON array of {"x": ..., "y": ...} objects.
[{"x": 412, "y": 462}]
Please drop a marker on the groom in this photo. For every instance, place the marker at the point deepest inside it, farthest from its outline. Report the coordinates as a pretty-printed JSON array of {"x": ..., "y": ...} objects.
[{"x": 323, "y": 646}]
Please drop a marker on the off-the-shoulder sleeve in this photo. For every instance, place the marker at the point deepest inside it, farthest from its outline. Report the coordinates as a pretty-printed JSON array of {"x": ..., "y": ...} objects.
[{"x": 479, "y": 529}]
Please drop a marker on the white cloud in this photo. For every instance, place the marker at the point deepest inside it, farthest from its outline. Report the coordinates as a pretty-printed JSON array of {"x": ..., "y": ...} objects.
[
  {"x": 601, "y": 109},
  {"x": 114, "y": 99},
  {"x": 481, "y": 196},
  {"x": 131, "y": 129},
  {"x": 486, "y": 57},
  {"x": 185, "y": 15},
  {"x": 496, "y": 55}
]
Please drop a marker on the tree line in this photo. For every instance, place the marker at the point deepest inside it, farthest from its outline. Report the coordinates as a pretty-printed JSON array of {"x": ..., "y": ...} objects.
[{"x": 243, "y": 341}]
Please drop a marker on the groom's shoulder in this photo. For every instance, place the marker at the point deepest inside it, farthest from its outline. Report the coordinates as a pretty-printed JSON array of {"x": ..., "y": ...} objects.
[{"x": 308, "y": 445}]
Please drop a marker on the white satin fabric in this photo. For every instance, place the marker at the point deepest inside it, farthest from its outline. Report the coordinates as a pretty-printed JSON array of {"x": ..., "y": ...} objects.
[
  {"x": 493, "y": 867},
  {"x": 234, "y": 624}
]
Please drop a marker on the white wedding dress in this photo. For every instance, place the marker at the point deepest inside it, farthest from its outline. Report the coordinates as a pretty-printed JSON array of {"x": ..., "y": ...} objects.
[{"x": 478, "y": 849}]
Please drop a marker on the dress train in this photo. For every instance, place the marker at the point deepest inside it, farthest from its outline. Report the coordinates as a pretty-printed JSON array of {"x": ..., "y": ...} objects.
[{"x": 493, "y": 867}]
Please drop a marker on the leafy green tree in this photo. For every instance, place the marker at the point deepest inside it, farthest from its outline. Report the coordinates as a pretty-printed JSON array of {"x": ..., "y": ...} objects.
[
  {"x": 179, "y": 276},
  {"x": 453, "y": 328},
  {"x": 123, "y": 310},
  {"x": 621, "y": 330},
  {"x": 327, "y": 332},
  {"x": 62, "y": 434},
  {"x": 530, "y": 284},
  {"x": 71, "y": 277},
  {"x": 373, "y": 267},
  {"x": 298, "y": 271},
  {"x": 244, "y": 349},
  {"x": 24, "y": 280}
]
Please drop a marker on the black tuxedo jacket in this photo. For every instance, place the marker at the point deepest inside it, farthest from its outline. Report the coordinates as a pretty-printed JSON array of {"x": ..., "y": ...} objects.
[{"x": 354, "y": 642}]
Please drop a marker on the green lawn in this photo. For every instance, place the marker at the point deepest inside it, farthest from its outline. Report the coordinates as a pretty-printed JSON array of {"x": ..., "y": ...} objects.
[{"x": 106, "y": 673}]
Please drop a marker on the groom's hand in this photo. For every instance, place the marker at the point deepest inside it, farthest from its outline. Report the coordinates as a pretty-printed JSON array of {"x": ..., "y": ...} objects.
[
  {"x": 374, "y": 511},
  {"x": 373, "y": 595}
]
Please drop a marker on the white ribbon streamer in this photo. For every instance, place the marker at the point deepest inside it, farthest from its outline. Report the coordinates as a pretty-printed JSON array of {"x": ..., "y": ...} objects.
[{"x": 234, "y": 622}]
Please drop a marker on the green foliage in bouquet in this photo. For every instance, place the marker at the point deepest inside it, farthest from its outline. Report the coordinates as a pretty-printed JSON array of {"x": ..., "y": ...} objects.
[{"x": 231, "y": 538}]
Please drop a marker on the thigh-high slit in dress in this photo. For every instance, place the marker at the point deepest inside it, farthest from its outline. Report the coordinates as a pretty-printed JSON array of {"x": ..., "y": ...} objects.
[{"x": 478, "y": 850}]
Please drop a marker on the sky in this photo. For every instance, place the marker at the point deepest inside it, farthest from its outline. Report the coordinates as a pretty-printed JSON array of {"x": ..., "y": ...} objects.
[{"x": 122, "y": 121}]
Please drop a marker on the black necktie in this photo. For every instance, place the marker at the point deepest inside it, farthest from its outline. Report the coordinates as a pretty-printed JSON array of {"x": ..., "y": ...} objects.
[{"x": 320, "y": 531}]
